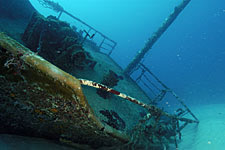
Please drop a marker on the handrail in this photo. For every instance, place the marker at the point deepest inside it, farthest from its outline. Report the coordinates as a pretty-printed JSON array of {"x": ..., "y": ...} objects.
[
  {"x": 92, "y": 28},
  {"x": 151, "y": 108},
  {"x": 165, "y": 88}
]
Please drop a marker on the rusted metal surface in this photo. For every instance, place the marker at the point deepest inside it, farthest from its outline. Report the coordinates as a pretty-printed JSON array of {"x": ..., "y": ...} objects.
[{"x": 39, "y": 99}]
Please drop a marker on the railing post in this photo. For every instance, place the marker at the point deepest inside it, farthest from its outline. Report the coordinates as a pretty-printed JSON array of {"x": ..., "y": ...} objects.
[
  {"x": 112, "y": 49},
  {"x": 101, "y": 43},
  {"x": 60, "y": 14}
]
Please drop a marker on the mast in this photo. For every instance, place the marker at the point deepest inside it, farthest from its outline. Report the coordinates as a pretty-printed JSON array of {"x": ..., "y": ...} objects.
[{"x": 151, "y": 41}]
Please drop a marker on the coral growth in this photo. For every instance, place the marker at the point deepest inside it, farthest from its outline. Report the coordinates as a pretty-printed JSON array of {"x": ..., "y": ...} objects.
[
  {"x": 113, "y": 119},
  {"x": 110, "y": 80},
  {"x": 50, "y": 4},
  {"x": 57, "y": 42}
]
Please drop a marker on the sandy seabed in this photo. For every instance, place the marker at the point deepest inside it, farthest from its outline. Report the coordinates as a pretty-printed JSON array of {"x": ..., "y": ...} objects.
[{"x": 209, "y": 134}]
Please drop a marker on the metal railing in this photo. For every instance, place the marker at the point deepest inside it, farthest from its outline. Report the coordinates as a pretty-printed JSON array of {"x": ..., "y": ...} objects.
[
  {"x": 106, "y": 44},
  {"x": 158, "y": 89}
]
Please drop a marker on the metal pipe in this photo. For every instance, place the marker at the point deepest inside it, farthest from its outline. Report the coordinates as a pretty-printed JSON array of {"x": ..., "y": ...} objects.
[{"x": 151, "y": 41}]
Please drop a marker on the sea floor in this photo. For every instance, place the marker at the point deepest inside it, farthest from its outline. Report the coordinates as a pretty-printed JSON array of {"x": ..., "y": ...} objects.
[{"x": 209, "y": 134}]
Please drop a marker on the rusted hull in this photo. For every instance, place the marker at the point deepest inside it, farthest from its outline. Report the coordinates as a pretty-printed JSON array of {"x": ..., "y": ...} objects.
[{"x": 38, "y": 99}]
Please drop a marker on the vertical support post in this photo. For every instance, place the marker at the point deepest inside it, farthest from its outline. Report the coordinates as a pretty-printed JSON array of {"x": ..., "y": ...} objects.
[
  {"x": 112, "y": 49},
  {"x": 101, "y": 43},
  {"x": 94, "y": 36},
  {"x": 151, "y": 41},
  {"x": 60, "y": 14},
  {"x": 87, "y": 35},
  {"x": 139, "y": 77}
]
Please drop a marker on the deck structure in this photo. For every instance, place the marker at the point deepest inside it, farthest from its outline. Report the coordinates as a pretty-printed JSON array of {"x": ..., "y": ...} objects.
[{"x": 61, "y": 94}]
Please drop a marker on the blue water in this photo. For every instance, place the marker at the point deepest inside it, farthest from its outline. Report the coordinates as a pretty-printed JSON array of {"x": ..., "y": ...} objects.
[{"x": 189, "y": 57}]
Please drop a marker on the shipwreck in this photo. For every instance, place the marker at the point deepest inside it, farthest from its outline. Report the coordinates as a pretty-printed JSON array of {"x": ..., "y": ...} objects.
[{"x": 56, "y": 85}]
